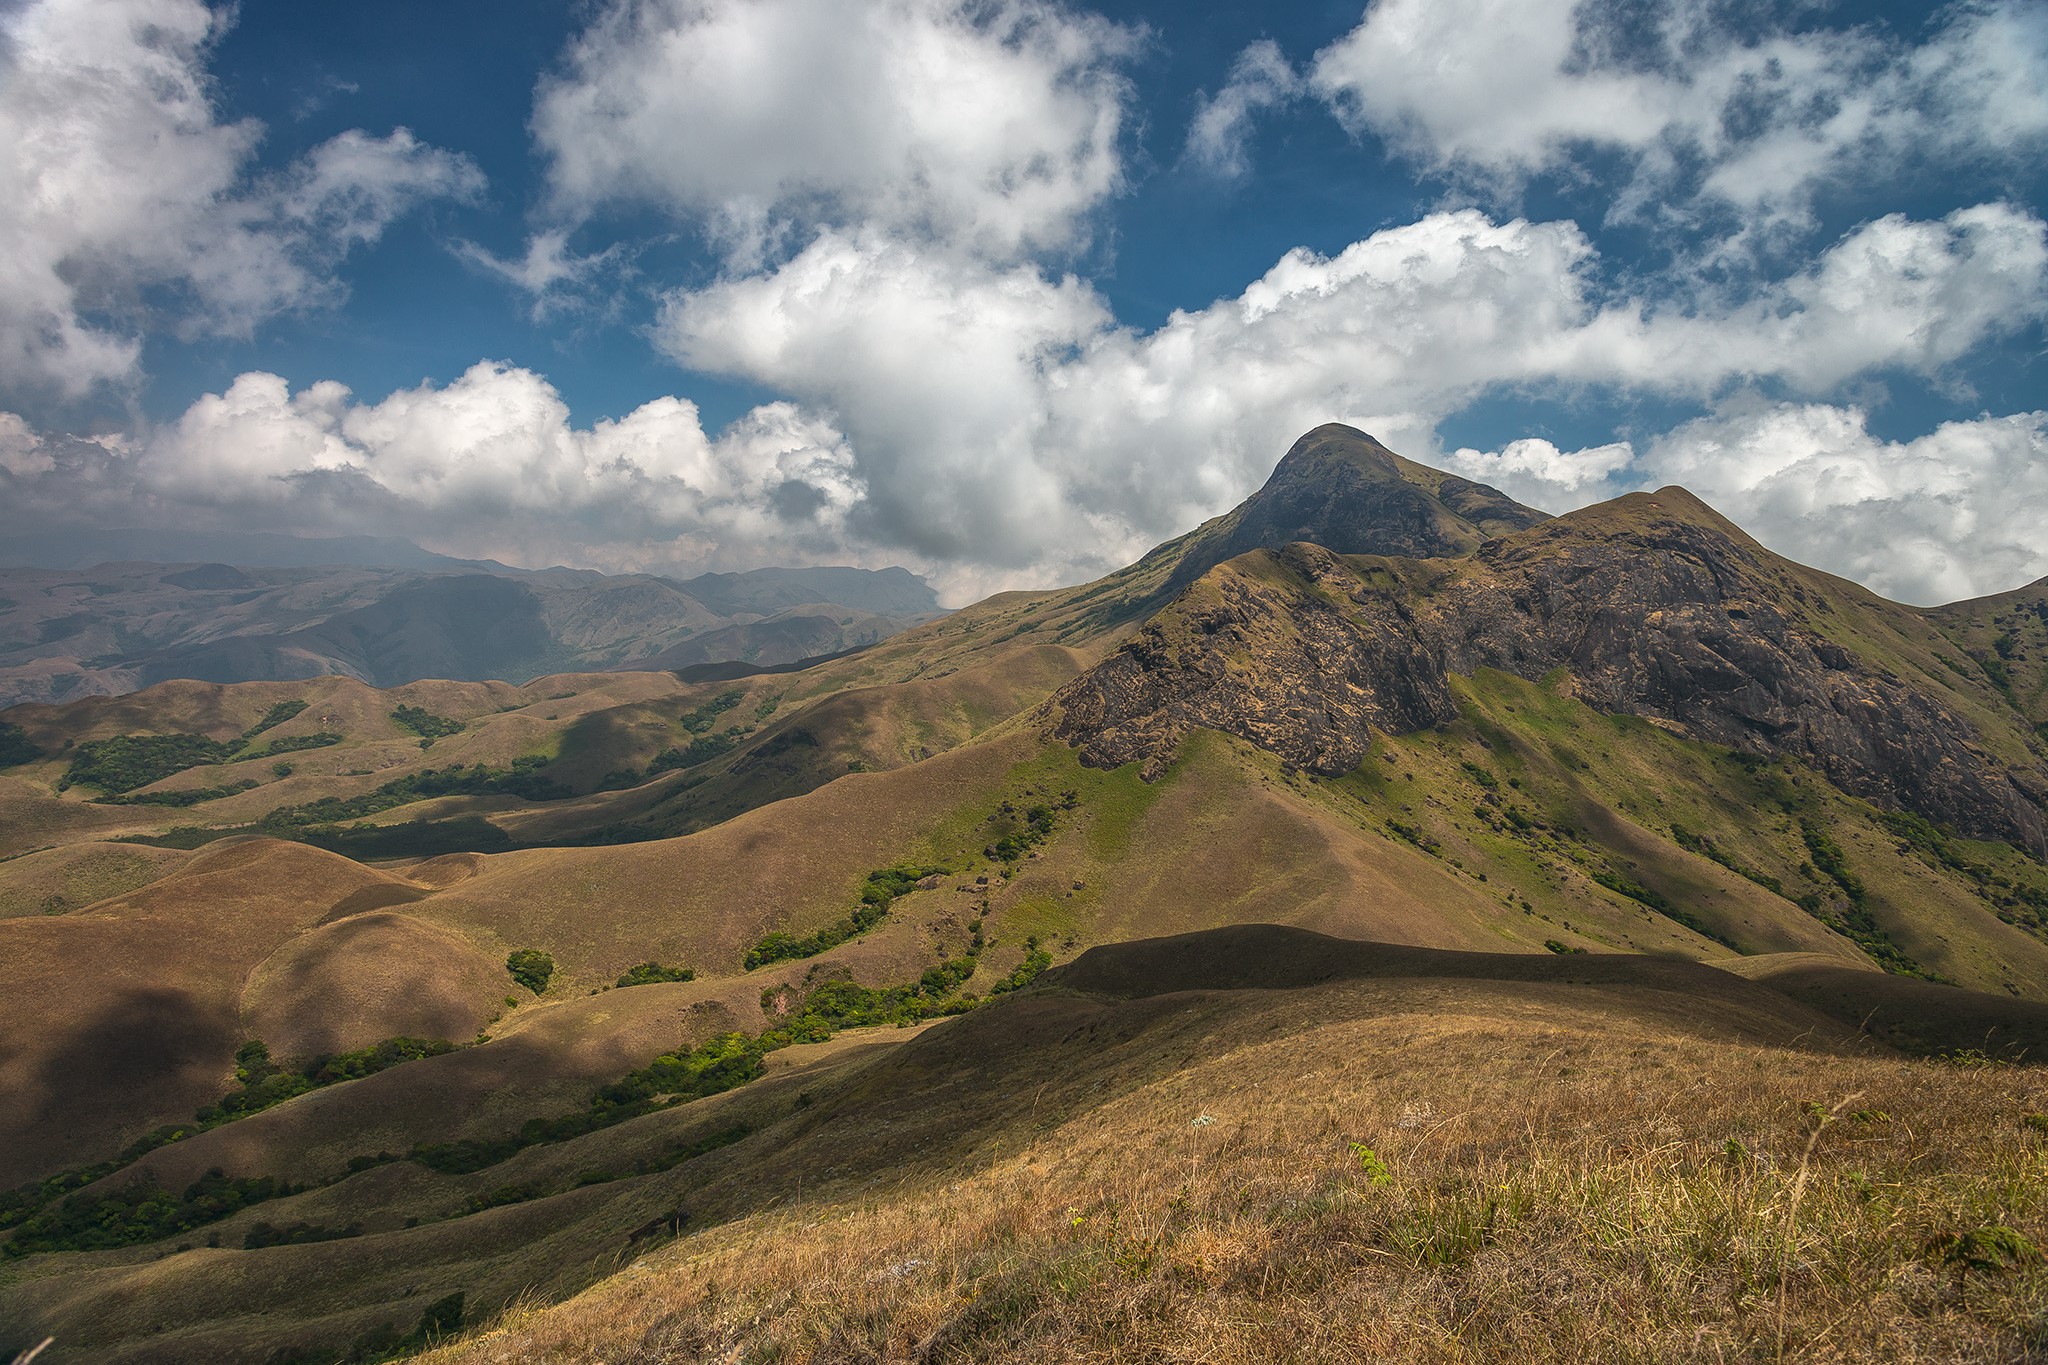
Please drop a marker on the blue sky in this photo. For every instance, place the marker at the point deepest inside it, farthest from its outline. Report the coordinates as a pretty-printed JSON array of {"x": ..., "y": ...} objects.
[{"x": 1009, "y": 292}]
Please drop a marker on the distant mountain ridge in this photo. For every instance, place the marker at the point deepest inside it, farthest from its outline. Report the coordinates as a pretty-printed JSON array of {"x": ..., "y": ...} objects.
[
  {"x": 248, "y": 549},
  {"x": 125, "y": 624}
]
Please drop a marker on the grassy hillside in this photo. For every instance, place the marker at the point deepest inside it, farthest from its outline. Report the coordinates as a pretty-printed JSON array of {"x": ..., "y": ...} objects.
[{"x": 1127, "y": 1155}]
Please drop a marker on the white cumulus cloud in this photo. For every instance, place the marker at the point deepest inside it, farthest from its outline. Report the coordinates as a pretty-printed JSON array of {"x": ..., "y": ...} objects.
[
  {"x": 125, "y": 202},
  {"x": 487, "y": 465},
  {"x": 1701, "y": 102},
  {"x": 991, "y": 125}
]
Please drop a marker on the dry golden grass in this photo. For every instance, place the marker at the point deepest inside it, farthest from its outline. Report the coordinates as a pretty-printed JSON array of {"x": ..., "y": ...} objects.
[{"x": 1559, "y": 1186}]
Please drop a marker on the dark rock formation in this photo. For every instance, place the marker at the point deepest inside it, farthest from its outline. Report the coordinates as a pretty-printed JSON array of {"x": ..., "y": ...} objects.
[
  {"x": 1276, "y": 661},
  {"x": 1652, "y": 605}
]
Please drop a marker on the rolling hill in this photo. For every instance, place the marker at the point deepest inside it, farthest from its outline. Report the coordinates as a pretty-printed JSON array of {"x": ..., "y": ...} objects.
[{"x": 1597, "y": 845}]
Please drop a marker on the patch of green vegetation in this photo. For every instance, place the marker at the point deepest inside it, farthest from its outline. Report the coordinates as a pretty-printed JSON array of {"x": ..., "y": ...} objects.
[
  {"x": 1858, "y": 925},
  {"x": 125, "y": 762},
  {"x": 2018, "y": 895},
  {"x": 263, "y": 1083},
  {"x": 424, "y": 723},
  {"x": 531, "y": 968},
  {"x": 185, "y": 796},
  {"x": 138, "y": 1212},
  {"x": 1480, "y": 775},
  {"x": 731, "y": 1060},
  {"x": 699, "y": 720},
  {"x": 1018, "y": 830},
  {"x": 262, "y": 1235},
  {"x": 292, "y": 744},
  {"x": 1036, "y": 960},
  {"x": 877, "y": 892},
  {"x": 674, "y": 1157},
  {"x": 715, "y": 1065},
  {"x": 653, "y": 973},
  {"x": 410, "y": 839},
  {"x": 274, "y": 717},
  {"x": 1560, "y": 948},
  {"x": 1410, "y": 834},
  {"x": 702, "y": 749},
  {"x": 15, "y": 748},
  {"x": 1707, "y": 848},
  {"x": 1657, "y": 901},
  {"x": 523, "y": 779}
]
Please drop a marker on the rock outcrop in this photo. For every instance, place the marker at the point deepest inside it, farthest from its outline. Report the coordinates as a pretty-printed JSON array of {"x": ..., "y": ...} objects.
[{"x": 1652, "y": 605}]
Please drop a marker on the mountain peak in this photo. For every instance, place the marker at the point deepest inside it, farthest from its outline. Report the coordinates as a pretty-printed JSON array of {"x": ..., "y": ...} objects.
[{"x": 1339, "y": 488}]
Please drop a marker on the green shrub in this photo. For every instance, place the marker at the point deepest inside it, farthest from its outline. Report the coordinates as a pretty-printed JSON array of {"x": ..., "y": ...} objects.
[
  {"x": 125, "y": 762},
  {"x": 187, "y": 796},
  {"x": 425, "y": 723},
  {"x": 1858, "y": 925},
  {"x": 267, "y": 1235},
  {"x": 702, "y": 749},
  {"x": 275, "y": 716},
  {"x": 653, "y": 973},
  {"x": 700, "y": 719},
  {"x": 523, "y": 779},
  {"x": 1481, "y": 776},
  {"x": 531, "y": 968},
  {"x": 1035, "y": 961},
  {"x": 140, "y": 1211},
  {"x": 1657, "y": 901},
  {"x": 878, "y": 890},
  {"x": 15, "y": 748}
]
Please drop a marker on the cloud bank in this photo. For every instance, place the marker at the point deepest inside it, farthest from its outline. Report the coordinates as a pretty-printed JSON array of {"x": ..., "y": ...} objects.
[{"x": 902, "y": 200}]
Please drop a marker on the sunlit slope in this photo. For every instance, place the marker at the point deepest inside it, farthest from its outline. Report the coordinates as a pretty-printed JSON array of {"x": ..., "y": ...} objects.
[{"x": 1098, "y": 1091}]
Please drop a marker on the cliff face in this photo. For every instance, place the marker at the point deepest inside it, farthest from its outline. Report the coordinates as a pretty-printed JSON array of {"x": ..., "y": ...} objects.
[
  {"x": 1651, "y": 606},
  {"x": 1267, "y": 649}
]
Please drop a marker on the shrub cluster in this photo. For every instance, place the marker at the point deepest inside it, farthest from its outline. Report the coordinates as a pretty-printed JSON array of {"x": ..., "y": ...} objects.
[
  {"x": 424, "y": 723},
  {"x": 1857, "y": 924},
  {"x": 140, "y": 1211},
  {"x": 1657, "y": 901},
  {"x": 263, "y": 1083},
  {"x": 268, "y": 1235},
  {"x": 1708, "y": 849},
  {"x": 531, "y": 968},
  {"x": 653, "y": 973},
  {"x": 274, "y": 717},
  {"x": 15, "y": 748},
  {"x": 187, "y": 796},
  {"x": 699, "y": 720},
  {"x": 523, "y": 779},
  {"x": 877, "y": 892},
  {"x": 125, "y": 762}
]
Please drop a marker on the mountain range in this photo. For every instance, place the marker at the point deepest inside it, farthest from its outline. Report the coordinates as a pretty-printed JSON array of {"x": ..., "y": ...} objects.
[
  {"x": 385, "y": 612},
  {"x": 1386, "y": 914}
]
